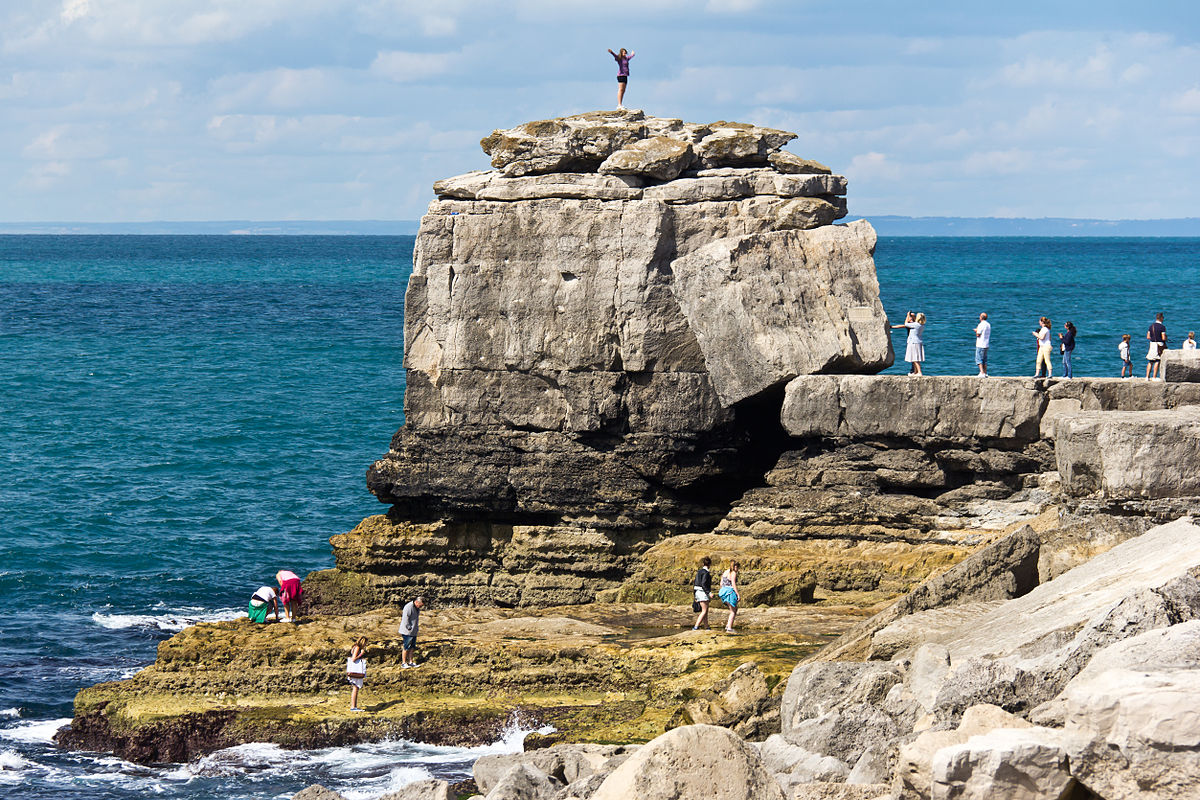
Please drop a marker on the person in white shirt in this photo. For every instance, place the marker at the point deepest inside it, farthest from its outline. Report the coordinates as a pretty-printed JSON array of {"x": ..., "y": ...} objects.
[
  {"x": 1042, "y": 335},
  {"x": 983, "y": 340},
  {"x": 356, "y": 670},
  {"x": 1190, "y": 342},
  {"x": 1126, "y": 363}
]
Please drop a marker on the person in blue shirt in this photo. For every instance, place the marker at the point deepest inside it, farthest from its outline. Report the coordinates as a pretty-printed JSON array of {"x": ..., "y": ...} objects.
[{"x": 1066, "y": 342}]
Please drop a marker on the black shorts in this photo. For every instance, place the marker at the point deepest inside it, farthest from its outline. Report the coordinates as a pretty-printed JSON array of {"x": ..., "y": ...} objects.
[{"x": 622, "y": 79}]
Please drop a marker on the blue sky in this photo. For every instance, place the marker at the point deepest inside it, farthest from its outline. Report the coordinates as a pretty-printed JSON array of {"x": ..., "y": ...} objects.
[{"x": 127, "y": 110}]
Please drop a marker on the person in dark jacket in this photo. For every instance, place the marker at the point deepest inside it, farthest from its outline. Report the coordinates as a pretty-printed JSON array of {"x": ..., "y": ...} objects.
[
  {"x": 1066, "y": 342},
  {"x": 702, "y": 589}
]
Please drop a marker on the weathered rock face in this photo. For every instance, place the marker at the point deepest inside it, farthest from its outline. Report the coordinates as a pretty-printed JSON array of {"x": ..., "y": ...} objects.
[
  {"x": 1130, "y": 454},
  {"x": 571, "y": 383},
  {"x": 1105, "y": 653},
  {"x": 1181, "y": 366}
]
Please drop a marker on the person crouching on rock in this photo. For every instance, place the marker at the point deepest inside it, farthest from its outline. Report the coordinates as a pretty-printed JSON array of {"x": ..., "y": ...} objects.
[
  {"x": 702, "y": 589},
  {"x": 410, "y": 622},
  {"x": 290, "y": 592},
  {"x": 729, "y": 593},
  {"x": 262, "y": 603},
  {"x": 356, "y": 670}
]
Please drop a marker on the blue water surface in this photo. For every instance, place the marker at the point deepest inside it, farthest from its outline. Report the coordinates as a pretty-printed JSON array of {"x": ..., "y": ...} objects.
[{"x": 182, "y": 416}]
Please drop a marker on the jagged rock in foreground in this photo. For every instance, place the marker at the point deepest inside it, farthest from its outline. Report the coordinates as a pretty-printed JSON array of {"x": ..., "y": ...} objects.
[{"x": 1104, "y": 655}]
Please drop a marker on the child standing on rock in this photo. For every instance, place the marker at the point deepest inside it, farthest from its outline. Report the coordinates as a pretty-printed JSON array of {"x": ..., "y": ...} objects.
[{"x": 356, "y": 670}]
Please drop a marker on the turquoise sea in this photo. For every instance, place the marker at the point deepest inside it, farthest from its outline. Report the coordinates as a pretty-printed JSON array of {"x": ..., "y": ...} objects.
[{"x": 180, "y": 416}]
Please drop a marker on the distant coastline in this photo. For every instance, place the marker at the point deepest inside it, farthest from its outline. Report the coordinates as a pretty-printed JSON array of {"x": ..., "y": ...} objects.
[
  {"x": 369, "y": 227},
  {"x": 885, "y": 225},
  {"x": 889, "y": 225}
]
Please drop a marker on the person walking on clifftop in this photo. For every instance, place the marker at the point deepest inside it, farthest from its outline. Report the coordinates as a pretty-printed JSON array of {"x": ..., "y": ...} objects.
[{"x": 623, "y": 58}]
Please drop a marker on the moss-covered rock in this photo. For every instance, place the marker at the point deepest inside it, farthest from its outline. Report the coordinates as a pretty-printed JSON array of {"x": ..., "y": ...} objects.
[{"x": 602, "y": 672}]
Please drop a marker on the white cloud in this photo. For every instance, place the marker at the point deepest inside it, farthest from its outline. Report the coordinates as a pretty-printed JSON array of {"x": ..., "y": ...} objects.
[
  {"x": 1187, "y": 102},
  {"x": 407, "y": 67}
]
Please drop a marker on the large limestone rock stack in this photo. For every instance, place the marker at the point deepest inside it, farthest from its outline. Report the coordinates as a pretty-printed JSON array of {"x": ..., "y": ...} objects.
[{"x": 597, "y": 335}]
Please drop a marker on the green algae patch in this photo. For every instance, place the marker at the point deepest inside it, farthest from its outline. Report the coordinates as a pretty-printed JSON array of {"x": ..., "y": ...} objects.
[{"x": 603, "y": 672}]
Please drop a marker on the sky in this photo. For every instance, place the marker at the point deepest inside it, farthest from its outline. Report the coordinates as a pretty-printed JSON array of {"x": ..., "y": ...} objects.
[{"x": 134, "y": 110}]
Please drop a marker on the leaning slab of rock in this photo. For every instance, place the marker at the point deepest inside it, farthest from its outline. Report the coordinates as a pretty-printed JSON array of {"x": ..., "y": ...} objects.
[
  {"x": 768, "y": 307},
  {"x": 694, "y": 761},
  {"x": 792, "y": 163},
  {"x": 1130, "y": 454},
  {"x": 1024, "y": 652}
]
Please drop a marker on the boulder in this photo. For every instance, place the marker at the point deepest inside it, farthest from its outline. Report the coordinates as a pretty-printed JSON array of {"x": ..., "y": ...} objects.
[
  {"x": 693, "y": 761},
  {"x": 786, "y": 588},
  {"x": 791, "y": 163},
  {"x": 659, "y": 157},
  {"x": 1016, "y": 764},
  {"x": 914, "y": 769},
  {"x": 1181, "y": 366},
  {"x": 768, "y": 307},
  {"x": 836, "y": 708},
  {"x": 566, "y": 144},
  {"x": 1136, "y": 733},
  {"x": 1130, "y": 454},
  {"x": 565, "y": 763},
  {"x": 732, "y": 144},
  {"x": 430, "y": 789},
  {"x": 317, "y": 792},
  {"x": 524, "y": 782},
  {"x": 799, "y": 765},
  {"x": 731, "y": 700}
]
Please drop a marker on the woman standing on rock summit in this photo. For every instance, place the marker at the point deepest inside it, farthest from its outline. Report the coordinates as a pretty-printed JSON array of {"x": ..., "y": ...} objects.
[{"x": 622, "y": 59}]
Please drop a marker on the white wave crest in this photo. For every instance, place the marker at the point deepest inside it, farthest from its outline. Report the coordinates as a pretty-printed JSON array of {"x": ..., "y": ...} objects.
[
  {"x": 10, "y": 712},
  {"x": 170, "y": 622},
  {"x": 34, "y": 731}
]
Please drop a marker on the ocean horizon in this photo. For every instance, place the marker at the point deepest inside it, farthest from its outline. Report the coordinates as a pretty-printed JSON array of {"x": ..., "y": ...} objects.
[{"x": 187, "y": 414}]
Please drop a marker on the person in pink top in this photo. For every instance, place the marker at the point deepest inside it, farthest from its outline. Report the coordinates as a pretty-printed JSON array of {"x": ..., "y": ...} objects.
[
  {"x": 623, "y": 58},
  {"x": 290, "y": 592}
]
